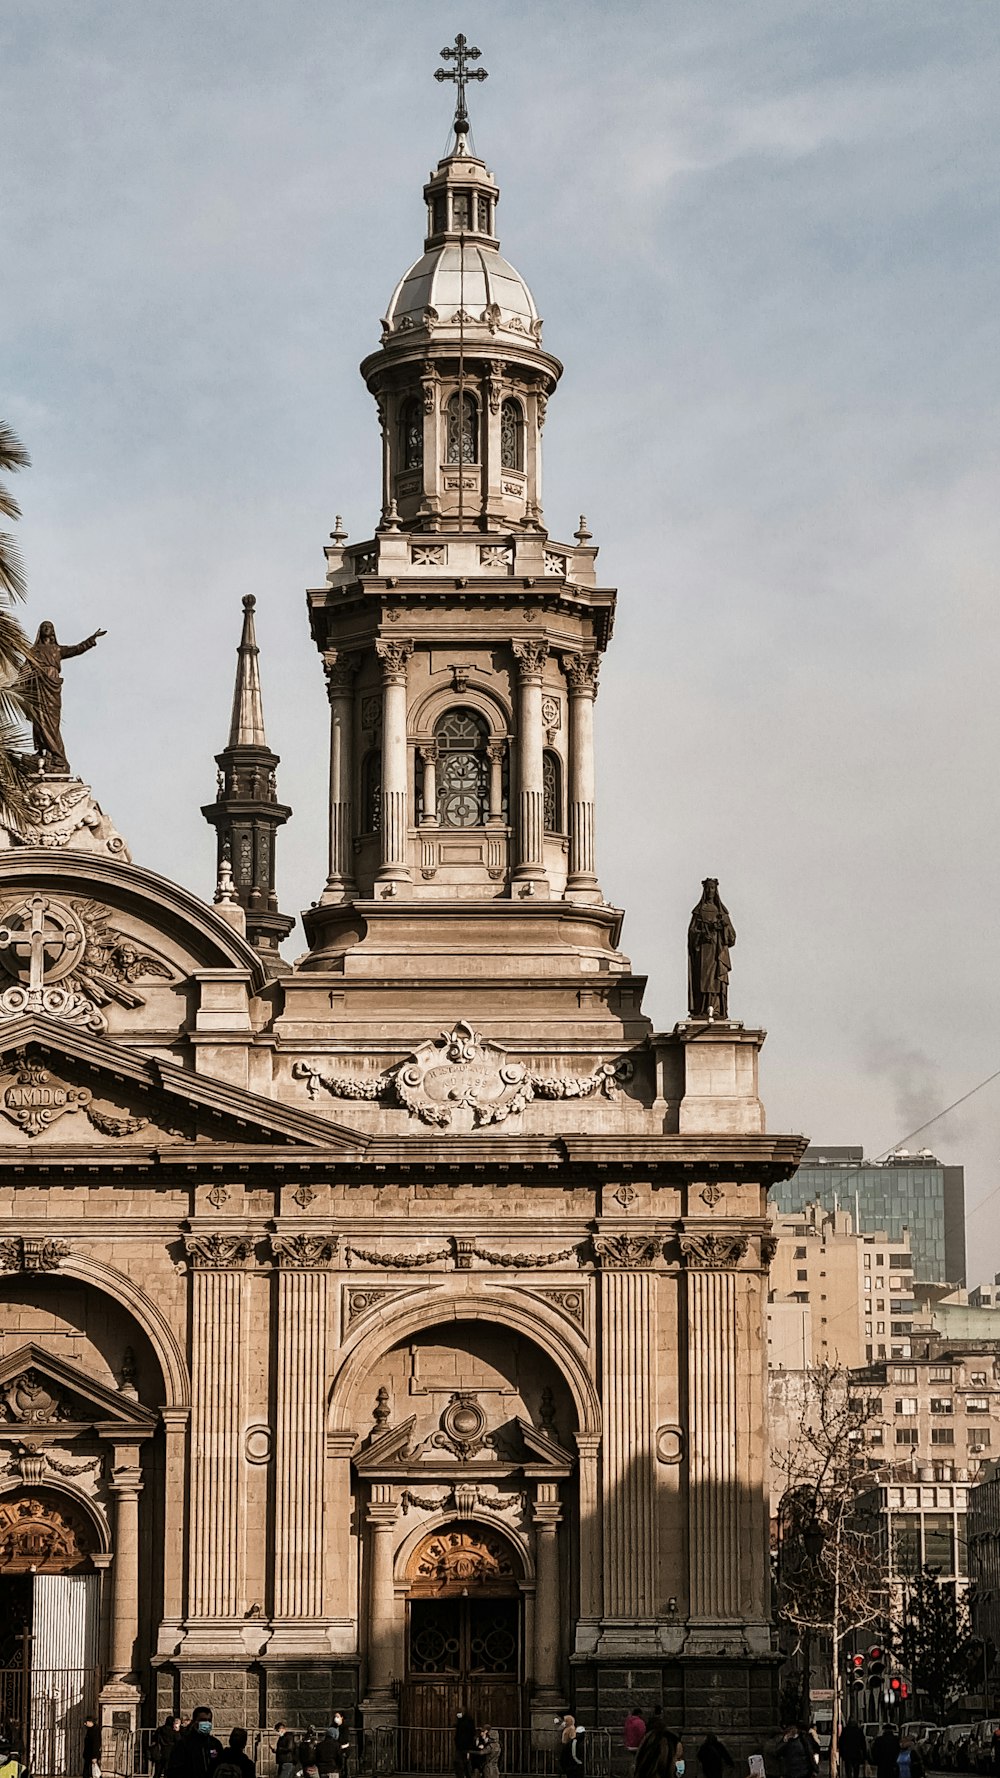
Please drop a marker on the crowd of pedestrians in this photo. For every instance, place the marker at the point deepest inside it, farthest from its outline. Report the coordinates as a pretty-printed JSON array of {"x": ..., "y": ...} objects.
[{"x": 192, "y": 1750}]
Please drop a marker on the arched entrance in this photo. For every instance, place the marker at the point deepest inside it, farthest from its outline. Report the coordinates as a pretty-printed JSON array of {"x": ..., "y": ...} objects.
[
  {"x": 49, "y": 1622},
  {"x": 464, "y": 1629}
]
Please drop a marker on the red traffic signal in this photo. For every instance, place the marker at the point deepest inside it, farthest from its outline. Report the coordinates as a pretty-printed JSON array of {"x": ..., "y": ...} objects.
[
  {"x": 874, "y": 1654},
  {"x": 896, "y": 1685},
  {"x": 857, "y": 1662}
]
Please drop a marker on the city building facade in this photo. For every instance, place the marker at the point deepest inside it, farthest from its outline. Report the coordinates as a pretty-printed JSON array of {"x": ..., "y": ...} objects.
[
  {"x": 836, "y": 1297},
  {"x": 906, "y": 1194},
  {"x": 386, "y": 1330}
]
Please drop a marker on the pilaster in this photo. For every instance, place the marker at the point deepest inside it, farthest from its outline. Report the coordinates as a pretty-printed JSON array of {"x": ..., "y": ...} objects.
[
  {"x": 581, "y": 677},
  {"x": 340, "y": 669},
  {"x": 394, "y": 657},
  {"x": 629, "y": 1392},
  {"x": 529, "y": 863}
]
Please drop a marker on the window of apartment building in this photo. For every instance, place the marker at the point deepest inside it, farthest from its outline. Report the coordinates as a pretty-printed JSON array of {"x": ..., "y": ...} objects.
[
  {"x": 880, "y": 1306},
  {"x": 906, "y": 1435},
  {"x": 868, "y": 1332},
  {"x": 939, "y": 1542},
  {"x": 942, "y": 1404},
  {"x": 881, "y": 1349},
  {"x": 977, "y": 1379},
  {"x": 803, "y": 1277},
  {"x": 977, "y": 1404},
  {"x": 895, "y": 1283},
  {"x": 905, "y": 1543},
  {"x": 876, "y": 1436},
  {"x": 906, "y": 1404},
  {"x": 868, "y": 1283},
  {"x": 902, "y": 1262},
  {"x": 800, "y": 1253},
  {"x": 942, "y": 1435},
  {"x": 880, "y": 1327},
  {"x": 822, "y": 1319},
  {"x": 800, "y": 1296},
  {"x": 906, "y": 1374},
  {"x": 880, "y": 1259},
  {"x": 868, "y": 1262},
  {"x": 939, "y": 1373},
  {"x": 868, "y": 1348},
  {"x": 979, "y": 1438}
]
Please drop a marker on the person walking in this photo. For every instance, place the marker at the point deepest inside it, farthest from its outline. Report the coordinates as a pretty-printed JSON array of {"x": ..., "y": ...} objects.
[
  {"x": 328, "y": 1752},
  {"x": 284, "y": 1751},
  {"x": 661, "y": 1754},
  {"x": 236, "y": 1755},
  {"x": 633, "y": 1730},
  {"x": 488, "y": 1750},
  {"x": 161, "y": 1745},
  {"x": 715, "y": 1759},
  {"x": 852, "y": 1745},
  {"x": 885, "y": 1753},
  {"x": 908, "y": 1761},
  {"x": 797, "y": 1753},
  {"x": 196, "y": 1752},
  {"x": 343, "y": 1743},
  {"x": 91, "y": 1748},
  {"x": 465, "y": 1744}
]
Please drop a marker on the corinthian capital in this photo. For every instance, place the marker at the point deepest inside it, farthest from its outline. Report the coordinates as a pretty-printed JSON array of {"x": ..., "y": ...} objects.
[
  {"x": 625, "y": 1250},
  {"x": 339, "y": 668},
  {"x": 712, "y": 1252},
  {"x": 530, "y": 657},
  {"x": 394, "y": 656},
  {"x": 582, "y": 672},
  {"x": 215, "y": 1253}
]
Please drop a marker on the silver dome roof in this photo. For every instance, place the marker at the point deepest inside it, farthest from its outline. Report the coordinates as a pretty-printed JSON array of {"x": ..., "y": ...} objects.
[{"x": 439, "y": 284}]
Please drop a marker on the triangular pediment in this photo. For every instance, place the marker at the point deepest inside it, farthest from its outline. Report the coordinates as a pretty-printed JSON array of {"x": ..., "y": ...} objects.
[
  {"x": 60, "y": 1086},
  {"x": 389, "y": 1446},
  {"x": 40, "y": 1392},
  {"x": 546, "y": 1452}
]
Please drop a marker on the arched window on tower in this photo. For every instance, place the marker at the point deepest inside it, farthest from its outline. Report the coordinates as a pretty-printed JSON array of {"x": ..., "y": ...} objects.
[
  {"x": 463, "y": 436},
  {"x": 411, "y": 427},
  {"x": 511, "y": 435},
  {"x": 371, "y": 793},
  {"x": 552, "y": 796},
  {"x": 463, "y": 769}
]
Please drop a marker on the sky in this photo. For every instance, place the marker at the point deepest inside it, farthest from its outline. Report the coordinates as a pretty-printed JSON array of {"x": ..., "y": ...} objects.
[{"x": 764, "y": 240}]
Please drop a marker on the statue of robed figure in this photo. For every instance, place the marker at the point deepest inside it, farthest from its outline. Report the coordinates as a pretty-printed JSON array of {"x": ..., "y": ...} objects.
[
  {"x": 710, "y": 935},
  {"x": 41, "y": 682}
]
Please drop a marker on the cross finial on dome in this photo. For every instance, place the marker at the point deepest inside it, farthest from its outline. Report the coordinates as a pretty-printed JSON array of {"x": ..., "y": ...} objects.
[{"x": 461, "y": 54}]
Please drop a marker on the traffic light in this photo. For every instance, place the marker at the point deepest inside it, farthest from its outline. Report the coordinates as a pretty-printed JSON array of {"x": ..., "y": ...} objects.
[
  {"x": 876, "y": 1667},
  {"x": 856, "y": 1671},
  {"x": 896, "y": 1690}
]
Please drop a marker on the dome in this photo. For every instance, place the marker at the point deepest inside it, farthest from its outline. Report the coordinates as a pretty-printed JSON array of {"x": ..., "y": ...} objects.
[{"x": 432, "y": 292}]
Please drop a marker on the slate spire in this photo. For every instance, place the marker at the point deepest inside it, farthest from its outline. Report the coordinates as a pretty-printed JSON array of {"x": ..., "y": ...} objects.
[{"x": 246, "y": 813}]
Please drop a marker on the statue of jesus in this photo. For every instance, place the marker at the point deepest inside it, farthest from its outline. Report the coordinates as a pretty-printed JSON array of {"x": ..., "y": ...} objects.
[{"x": 41, "y": 682}]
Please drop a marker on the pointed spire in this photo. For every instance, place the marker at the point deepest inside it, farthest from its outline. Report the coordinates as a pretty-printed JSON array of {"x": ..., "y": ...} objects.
[{"x": 247, "y": 726}]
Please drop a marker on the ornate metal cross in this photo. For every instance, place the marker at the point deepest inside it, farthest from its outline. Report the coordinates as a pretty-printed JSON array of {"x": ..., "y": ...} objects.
[
  {"x": 462, "y": 54},
  {"x": 39, "y": 939}
]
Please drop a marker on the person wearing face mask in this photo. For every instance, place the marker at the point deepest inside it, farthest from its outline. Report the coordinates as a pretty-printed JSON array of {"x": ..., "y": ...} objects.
[{"x": 197, "y": 1752}]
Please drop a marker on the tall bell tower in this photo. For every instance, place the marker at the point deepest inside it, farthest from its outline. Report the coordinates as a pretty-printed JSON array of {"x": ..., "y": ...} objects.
[{"x": 461, "y": 643}]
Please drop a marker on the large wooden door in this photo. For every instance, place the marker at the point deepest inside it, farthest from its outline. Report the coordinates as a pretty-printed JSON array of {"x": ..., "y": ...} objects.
[{"x": 464, "y": 1631}]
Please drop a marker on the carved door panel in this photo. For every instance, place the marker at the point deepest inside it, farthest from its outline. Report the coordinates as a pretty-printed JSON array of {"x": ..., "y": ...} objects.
[{"x": 463, "y": 1654}]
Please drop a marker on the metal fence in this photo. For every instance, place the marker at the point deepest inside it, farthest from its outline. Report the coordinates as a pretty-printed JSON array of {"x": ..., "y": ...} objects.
[
  {"x": 379, "y": 1753},
  {"x": 47, "y": 1708}
]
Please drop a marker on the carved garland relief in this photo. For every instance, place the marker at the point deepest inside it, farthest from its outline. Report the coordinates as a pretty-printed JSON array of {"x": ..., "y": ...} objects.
[{"x": 461, "y": 1070}]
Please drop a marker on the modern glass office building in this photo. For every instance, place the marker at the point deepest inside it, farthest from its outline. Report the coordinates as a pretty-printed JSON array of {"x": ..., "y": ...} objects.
[{"x": 912, "y": 1192}]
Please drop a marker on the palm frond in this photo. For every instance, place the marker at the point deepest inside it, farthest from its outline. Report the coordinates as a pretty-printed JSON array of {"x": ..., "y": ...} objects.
[
  {"x": 15, "y": 647},
  {"x": 16, "y": 773},
  {"x": 13, "y": 581},
  {"x": 8, "y": 505},
  {"x": 13, "y": 454}
]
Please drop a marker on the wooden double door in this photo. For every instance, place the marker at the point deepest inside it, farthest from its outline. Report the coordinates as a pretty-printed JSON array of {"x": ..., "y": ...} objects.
[{"x": 464, "y": 1653}]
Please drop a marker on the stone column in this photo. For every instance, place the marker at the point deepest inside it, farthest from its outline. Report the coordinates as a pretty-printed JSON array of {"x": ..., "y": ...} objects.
[
  {"x": 629, "y": 1391},
  {"x": 382, "y": 1514},
  {"x": 529, "y": 855},
  {"x": 394, "y": 656},
  {"x": 300, "y": 1444},
  {"x": 581, "y": 676},
  {"x": 341, "y": 1568},
  {"x": 429, "y": 755},
  {"x": 547, "y": 1516},
  {"x": 340, "y": 669},
  {"x": 126, "y": 1486},
  {"x": 174, "y": 1493},
  {"x": 494, "y": 753},
  {"x": 716, "y": 1438},
  {"x": 216, "y": 1562},
  {"x": 588, "y": 1445}
]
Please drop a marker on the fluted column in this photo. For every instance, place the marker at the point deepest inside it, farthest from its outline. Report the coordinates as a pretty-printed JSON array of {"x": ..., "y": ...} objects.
[
  {"x": 588, "y": 1445},
  {"x": 340, "y": 669},
  {"x": 628, "y": 1362},
  {"x": 394, "y": 656},
  {"x": 547, "y": 1516},
  {"x": 175, "y": 1422},
  {"x": 716, "y": 1485},
  {"x": 383, "y": 1512},
  {"x": 581, "y": 677},
  {"x": 341, "y": 1564},
  {"x": 216, "y": 1566},
  {"x": 529, "y": 862},
  {"x": 126, "y": 1486},
  {"x": 300, "y": 1444}
]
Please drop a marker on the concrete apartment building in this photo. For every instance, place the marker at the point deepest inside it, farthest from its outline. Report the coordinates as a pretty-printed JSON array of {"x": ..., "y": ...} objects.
[
  {"x": 939, "y": 1411},
  {"x": 984, "y": 1553},
  {"x": 836, "y": 1296}
]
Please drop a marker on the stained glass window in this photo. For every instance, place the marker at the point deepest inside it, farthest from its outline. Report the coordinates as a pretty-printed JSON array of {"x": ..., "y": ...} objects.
[
  {"x": 463, "y": 773},
  {"x": 440, "y": 216},
  {"x": 511, "y": 436},
  {"x": 411, "y": 425},
  {"x": 483, "y": 215},
  {"x": 552, "y": 791},
  {"x": 469, "y": 430},
  {"x": 460, "y": 217}
]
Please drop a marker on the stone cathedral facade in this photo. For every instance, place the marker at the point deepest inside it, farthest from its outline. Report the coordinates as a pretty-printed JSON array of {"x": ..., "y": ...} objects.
[{"x": 385, "y": 1329}]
